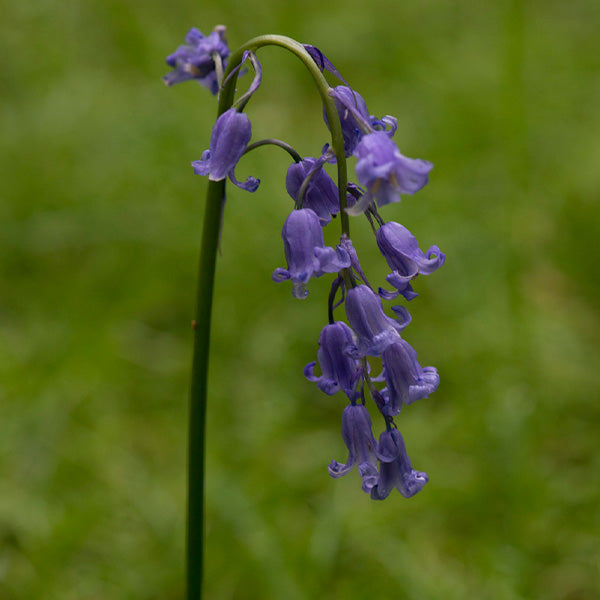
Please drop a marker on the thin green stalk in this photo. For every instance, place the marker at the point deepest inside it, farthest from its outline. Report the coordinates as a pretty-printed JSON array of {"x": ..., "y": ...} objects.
[
  {"x": 198, "y": 392},
  {"x": 206, "y": 273}
]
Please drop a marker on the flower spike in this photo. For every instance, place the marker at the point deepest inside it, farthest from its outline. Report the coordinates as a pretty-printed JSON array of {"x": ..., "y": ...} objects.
[{"x": 383, "y": 176}]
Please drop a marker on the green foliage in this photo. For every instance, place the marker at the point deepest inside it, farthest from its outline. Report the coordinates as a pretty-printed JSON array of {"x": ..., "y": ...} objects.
[{"x": 100, "y": 221}]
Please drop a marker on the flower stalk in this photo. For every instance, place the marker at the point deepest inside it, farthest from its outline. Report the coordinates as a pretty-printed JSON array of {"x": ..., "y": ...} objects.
[
  {"x": 206, "y": 275},
  {"x": 344, "y": 348}
]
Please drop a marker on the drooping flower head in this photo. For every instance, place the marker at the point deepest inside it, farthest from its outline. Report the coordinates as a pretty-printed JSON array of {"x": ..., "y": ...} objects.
[
  {"x": 228, "y": 142},
  {"x": 339, "y": 369},
  {"x": 196, "y": 58},
  {"x": 306, "y": 253},
  {"x": 321, "y": 194},
  {"x": 407, "y": 381},
  {"x": 375, "y": 330},
  {"x": 354, "y": 115},
  {"x": 358, "y": 437},
  {"x": 401, "y": 250},
  {"x": 395, "y": 468},
  {"x": 385, "y": 172}
]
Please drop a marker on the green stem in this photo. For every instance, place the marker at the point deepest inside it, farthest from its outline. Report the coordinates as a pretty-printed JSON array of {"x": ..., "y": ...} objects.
[
  {"x": 198, "y": 392},
  {"x": 206, "y": 273}
]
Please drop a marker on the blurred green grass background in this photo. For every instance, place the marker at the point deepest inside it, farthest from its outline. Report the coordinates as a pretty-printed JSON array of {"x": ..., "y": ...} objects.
[{"x": 100, "y": 218}]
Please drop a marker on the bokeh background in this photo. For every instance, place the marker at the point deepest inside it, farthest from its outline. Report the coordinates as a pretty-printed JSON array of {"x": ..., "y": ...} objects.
[{"x": 100, "y": 218}]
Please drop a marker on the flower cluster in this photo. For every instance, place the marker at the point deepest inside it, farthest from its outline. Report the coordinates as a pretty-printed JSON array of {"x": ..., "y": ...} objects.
[{"x": 367, "y": 333}]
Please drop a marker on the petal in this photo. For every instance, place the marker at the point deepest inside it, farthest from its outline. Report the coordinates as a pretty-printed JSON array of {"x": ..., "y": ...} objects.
[
  {"x": 328, "y": 386},
  {"x": 250, "y": 185},
  {"x": 322, "y": 61},
  {"x": 202, "y": 166},
  {"x": 403, "y": 317},
  {"x": 337, "y": 469},
  {"x": 412, "y": 174},
  {"x": 330, "y": 260},
  {"x": 309, "y": 371},
  {"x": 280, "y": 275}
]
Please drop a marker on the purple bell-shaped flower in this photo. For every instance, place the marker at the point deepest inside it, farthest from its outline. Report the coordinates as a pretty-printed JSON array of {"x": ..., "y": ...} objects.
[
  {"x": 406, "y": 379},
  {"x": 228, "y": 142},
  {"x": 306, "y": 253},
  {"x": 195, "y": 59},
  {"x": 340, "y": 371},
  {"x": 400, "y": 249},
  {"x": 385, "y": 172},
  {"x": 395, "y": 468},
  {"x": 374, "y": 329},
  {"x": 353, "y": 113},
  {"x": 358, "y": 437},
  {"x": 321, "y": 193}
]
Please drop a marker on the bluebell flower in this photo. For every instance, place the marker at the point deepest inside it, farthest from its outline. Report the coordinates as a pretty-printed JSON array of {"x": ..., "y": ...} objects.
[
  {"x": 374, "y": 329},
  {"x": 228, "y": 142},
  {"x": 406, "y": 379},
  {"x": 401, "y": 250},
  {"x": 395, "y": 468},
  {"x": 196, "y": 58},
  {"x": 354, "y": 115},
  {"x": 385, "y": 172},
  {"x": 306, "y": 253},
  {"x": 340, "y": 371},
  {"x": 358, "y": 437},
  {"x": 321, "y": 193}
]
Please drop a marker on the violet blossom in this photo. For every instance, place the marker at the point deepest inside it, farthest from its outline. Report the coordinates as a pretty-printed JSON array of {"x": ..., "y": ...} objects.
[
  {"x": 374, "y": 329},
  {"x": 228, "y": 142},
  {"x": 358, "y": 437},
  {"x": 407, "y": 381},
  {"x": 196, "y": 58},
  {"x": 339, "y": 369},
  {"x": 395, "y": 468},
  {"x": 321, "y": 194},
  {"x": 306, "y": 253},
  {"x": 385, "y": 172},
  {"x": 401, "y": 250}
]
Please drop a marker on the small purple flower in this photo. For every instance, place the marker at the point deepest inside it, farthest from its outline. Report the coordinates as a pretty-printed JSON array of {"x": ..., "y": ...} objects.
[
  {"x": 375, "y": 330},
  {"x": 406, "y": 379},
  {"x": 306, "y": 253},
  {"x": 321, "y": 193},
  {"x": 402, "y": 253},
  {"x": 385, "y": 172},
  {"x": 396, "y": 469},
  {"x": 339, "y": 370},
  {"x": 358, "y": 437},
  {"x": 228, "y": 142},
  {"x": 354, "y": 115},
  {"x": 196, "y": 58}
]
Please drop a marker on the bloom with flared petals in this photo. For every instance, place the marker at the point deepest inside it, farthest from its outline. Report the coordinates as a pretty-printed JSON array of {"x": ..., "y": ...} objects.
[
  {"x": 385, "y": 172},
  {"x": 402, "y": 253},
  {"x": 228, "y": 142},
  {"x": 358, "y": 437},
  {"x": 339, "y": 370},
  {"x": 375, "y": 330},
  {"x": 395, "y": 468},
  {"x": 406, "y": 379},
  {"x": 306, "y": 253},
  {"x": 321, "y": 194},
  {"x": 196, "y": 58}
]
